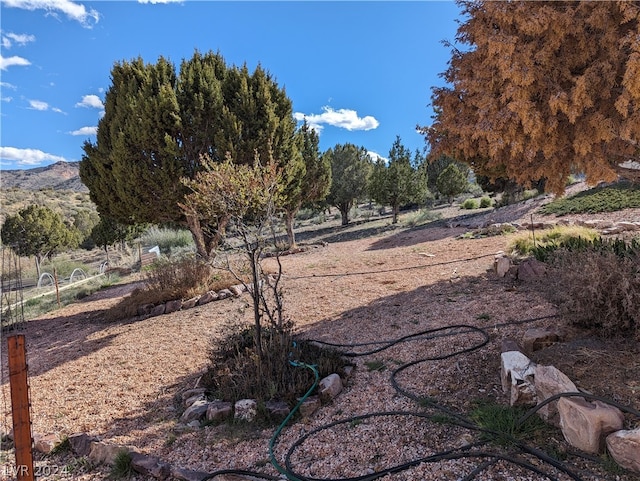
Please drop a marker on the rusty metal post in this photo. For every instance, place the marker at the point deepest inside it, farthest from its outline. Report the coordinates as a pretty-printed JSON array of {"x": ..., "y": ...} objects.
[{"x": 20, "y": 407}]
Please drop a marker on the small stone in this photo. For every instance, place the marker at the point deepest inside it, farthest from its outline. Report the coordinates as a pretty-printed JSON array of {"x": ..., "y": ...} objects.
[
  {"x": 219, "y": 410},
  {"x": 330, "y": 387},
  {"x": 277, "y": 409},
  {"x": 81, "y": 443},
  {"x": 237, "y": 290},
  {"x": 150, "y": 466},
  {"x": 188, "y": 304},
  {"x": 192, "y": 392},
  {"x": 224, "y": 293},
  {"x": 194, "y": 412},
  {"x": 45, "y": 443},
  {"x": 538, "y": 338},
  {"x": 173, "y": 306},
  {"x": 246, "y": 409},
  {"x": 196, "y": 397},
  {"x": 309, "y": 406},
  {"x": 207, "y": 297}
]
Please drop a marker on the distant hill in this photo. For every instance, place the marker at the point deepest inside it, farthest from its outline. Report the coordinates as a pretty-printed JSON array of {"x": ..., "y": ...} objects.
[{"x": 58, "y": 176}]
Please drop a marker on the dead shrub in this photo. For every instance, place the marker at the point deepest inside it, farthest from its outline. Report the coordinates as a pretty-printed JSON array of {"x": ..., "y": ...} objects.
[{"x": 597, "y": 290}]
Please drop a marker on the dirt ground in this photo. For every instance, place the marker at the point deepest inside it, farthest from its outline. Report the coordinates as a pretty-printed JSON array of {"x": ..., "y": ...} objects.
[{"x": 367, "y": 282}]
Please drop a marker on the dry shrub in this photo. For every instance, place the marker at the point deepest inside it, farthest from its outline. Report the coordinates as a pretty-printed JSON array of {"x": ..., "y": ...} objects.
[
  {"x": 598, "y": 290},
  {"x": 167, "y": 280}
]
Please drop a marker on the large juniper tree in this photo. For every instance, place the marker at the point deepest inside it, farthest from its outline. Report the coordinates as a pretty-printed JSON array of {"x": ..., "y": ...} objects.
[
  {"x": 159, "y": 124},
  {"x": 350, "y": 170},
  {"x": 540, "y": 89}
]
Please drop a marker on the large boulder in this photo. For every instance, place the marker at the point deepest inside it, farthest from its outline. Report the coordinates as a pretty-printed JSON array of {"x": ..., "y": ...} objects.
[
  {"x": 549, "y": 381},
  {"x": 624, "y": 447},
  {"x": 585, "y": 425}
]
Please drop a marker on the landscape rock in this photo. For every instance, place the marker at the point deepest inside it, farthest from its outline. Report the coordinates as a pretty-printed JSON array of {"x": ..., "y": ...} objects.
[
  {"x": 188, "y": 474},
  {"x": 145, "y": 309},
  {"x": 81, "y": 443},
  {"x": 150, "y": 466},
  {"x": 517, "y": 378},
  {"x": 192, "y": 392},
  {"x": 309, "y": 406},
  {"x": 538, "y": 338},
  {"x": 45, "y": 443},
  {"x": 548, "y": 382},
  {"x": 173, "y": 306},
  {"x": 207, "y": 297},
  {"x": 196, "y": 397},
  {"x": 246, "y": 409},
  {"x": 348, "y": 373},
  {"x": 237, "y": 290},
  {"x": 531, "y": 270},
  {"x": 628, "y": 226},
  {"x": 329, "y": 387},
  {"x": 219, "y": 410},
  {"x": 104, "y": 453},
  {"x": 585, "y": 425},
  {"x": 624, "y": 447},
  {"x": 501, "y": 265},
  {"x": 158, "y": 310},
  {"x": 277, "y": 409},
  {"x": 188, "y": 304},
  {"x": 194, "y": 412},
  {"x": 224, "y": 293}
]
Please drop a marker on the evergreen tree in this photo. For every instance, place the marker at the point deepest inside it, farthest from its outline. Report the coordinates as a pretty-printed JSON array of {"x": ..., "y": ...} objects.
[
  {"x": 38, "y": 231},
  {"x": 159, "y": 126},
  {"x": 399, "y": 182},
  {"x": 539, "y": 90},
  {"x": 452, "y": 182},
  {"x": 350, "y": 170}
]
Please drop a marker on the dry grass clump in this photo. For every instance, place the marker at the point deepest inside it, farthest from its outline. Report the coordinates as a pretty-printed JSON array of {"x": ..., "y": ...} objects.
[
  {"x": 168, "y": 280},
  {"x": 598, "y": 289}
]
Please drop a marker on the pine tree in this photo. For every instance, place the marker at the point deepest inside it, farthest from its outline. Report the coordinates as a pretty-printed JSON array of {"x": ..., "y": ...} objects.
[{"x": 350, "y": 170}]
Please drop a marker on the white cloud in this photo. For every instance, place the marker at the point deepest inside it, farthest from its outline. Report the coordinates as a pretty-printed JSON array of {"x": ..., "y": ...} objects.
[
  {"x": 73, "y": 10},
  {"x": 38, "y": 105},
  {"x": 342, "y": 118},
  {"x": 160, "y": 1},
  {"x": 11, "y": 61},
  {"x": 7, "y": 85},
  {"x": 85, "y": 131},
  {"x": 91, "y": 101},
  {"x": 57, "y": 110},
  {"x": 374, "y": 156},
  {"x": 6, "y": 99},
  {"x": 8, "y": 39},
  {"x": 28, "y": 156}
]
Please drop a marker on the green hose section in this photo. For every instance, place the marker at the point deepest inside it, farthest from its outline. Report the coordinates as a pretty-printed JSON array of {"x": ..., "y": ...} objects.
[{"x": 275, "y": 436}]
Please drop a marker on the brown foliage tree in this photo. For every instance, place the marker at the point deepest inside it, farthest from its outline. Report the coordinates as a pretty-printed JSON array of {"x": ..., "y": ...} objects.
[{"x": 544, "y": 89}]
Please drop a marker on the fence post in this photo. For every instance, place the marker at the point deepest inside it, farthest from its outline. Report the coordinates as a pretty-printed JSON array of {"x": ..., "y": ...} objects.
[{"x": 20, "y": 407}]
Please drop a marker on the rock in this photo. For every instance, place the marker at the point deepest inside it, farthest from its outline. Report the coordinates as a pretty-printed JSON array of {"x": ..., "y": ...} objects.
[
  {"x": 329, "y": 387},
  {"x": 348, "y": 373},
  {"x": 45, "y": 443},
  {"x": 188, "y": 304},
  {"x": 104, "y": 453},
  {"x": 237, "y": 290},
  {"x": 81, "y": 443},
  {"x": 145, "y": 309},
  {"x": 192, "y": 392},
  {"x": 624, "y": 447},
  {"x": 309, "y": 406},
  {"x": 173, "y": 306},
  {"x": 219, "y": 410},
  {"x": 501, "y": 265},
  {"x": 188, "y": 474},
  {"x": 158, "y": 310},
  {"x": 194, "y": 424},
  {"x": 538, "y": 338},
  {"x": 196, "y": 397},
  {"x": 517, "y": 378},
  {"x": 531, "y": 270},
  {"x": 224, "y": 293},
  {"x": 585, "y": 425},
  {"x": 207, "y": 297},
  {"x": 194, "y": 412},
  {"x": 277, "y": 409},
  {"x": 150, "y": 466},
  {"x": 628, "y": 226},
  {"x": 246, "y": 409},
  {"x": 548, "y": 382}
]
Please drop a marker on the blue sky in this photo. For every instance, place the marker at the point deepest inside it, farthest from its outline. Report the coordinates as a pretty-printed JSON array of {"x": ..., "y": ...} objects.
[{"x": 360, "y": 72}]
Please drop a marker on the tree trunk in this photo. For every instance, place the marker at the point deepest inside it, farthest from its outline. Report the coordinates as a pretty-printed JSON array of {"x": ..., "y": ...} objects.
[
  {"x": 255, "y": 274},
  {"x": 396, "y": 211},
  {"x": 344, "y": 213},
  {"x": 291, "y": 235}
]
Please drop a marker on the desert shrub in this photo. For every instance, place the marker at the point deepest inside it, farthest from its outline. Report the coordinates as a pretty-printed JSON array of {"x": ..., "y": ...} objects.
[
  {"x": 470, "y": 204},
  {"x": 167, "y": 280},
  {"x": 169, "y": 240},
  {"x": 420, "y": 217},
  {"x": 540, "y": 243},
  {"x": 485, "y": 202},
  {"x": 610, "y": 198},
  {"x": 598, "y": 288},
  {"x": 236, "y": 372}
]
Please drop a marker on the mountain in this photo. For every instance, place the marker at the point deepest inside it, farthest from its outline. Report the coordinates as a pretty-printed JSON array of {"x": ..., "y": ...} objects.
[{"x": 58, "y": 176}]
